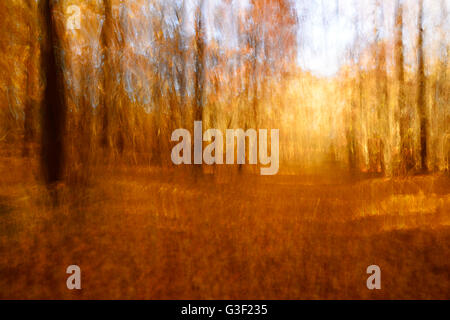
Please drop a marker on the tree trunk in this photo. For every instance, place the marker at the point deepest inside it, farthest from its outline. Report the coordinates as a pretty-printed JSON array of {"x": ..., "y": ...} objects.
[
  {"x": 105, "y": 107},
  {"x": 30, "y": 103},
  {"x": 406, "y": 156},
  {"x": 421, "y": 92},
  {"x": 54, "y": 106},
  {"x": 199, "y": 72}
]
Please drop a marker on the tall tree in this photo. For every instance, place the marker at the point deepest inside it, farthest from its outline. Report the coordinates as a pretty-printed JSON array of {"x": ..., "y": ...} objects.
[
  {"x": 32, "y": 77},
  {"x": 199, "y": 71},
  {"x": 105, "y": 108},
  {"x": 381, "y": 82},
  {"x": 441, "y": 101},
  {"x": 406, "y": 157},
  {"x": 54, "y": 106},
  {"x": 356, "y": 102},
  {"x": 199, "y": 60},
  {"x": 421, "y": 92},
  {"x": 180, "y": 59}
]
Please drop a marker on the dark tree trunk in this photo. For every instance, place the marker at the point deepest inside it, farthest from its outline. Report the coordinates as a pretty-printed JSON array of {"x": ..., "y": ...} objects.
[
  {"x": 406, "y": 153},
  {"x": 199, "y": 63},
  {"x": 54, "y": 108},
  {"x": 421, "y": 92},
  {"x": 105, "y": 108}
]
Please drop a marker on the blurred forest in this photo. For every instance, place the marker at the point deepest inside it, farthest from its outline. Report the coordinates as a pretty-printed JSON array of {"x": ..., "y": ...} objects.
[
  {"x": 136, "y": 70},
  {"x": 91, "y": 91}
]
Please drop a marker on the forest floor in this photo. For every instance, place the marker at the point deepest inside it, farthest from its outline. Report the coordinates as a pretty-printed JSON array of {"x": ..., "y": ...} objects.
[{"x": 145, "y": 233}]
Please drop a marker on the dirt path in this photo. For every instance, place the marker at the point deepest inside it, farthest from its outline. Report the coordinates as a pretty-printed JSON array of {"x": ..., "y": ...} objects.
[{"x": 143, "y": 234}]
